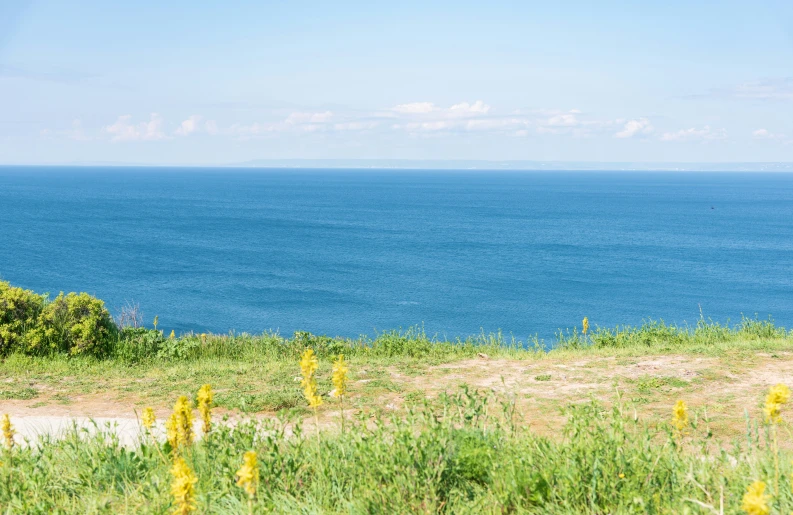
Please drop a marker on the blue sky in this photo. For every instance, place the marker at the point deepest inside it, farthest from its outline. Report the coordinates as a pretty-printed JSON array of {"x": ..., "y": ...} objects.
[{"x": 224, "y": 82}]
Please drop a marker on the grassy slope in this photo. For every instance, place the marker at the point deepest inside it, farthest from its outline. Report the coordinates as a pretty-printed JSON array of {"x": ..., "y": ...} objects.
[
  {"x": 715, "y": 368},
  {"x": 459, "y": 454}
]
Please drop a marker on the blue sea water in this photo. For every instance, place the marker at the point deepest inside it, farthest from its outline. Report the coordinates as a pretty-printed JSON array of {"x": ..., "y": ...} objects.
[{"x": 355, "y": 252}]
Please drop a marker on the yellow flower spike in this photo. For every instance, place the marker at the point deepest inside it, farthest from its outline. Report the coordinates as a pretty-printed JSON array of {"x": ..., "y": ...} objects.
[
  {"x": 179, "y": 427},
  {"x": 585, "y": 324},
  {"x": 156, "y": 320},
  {"x": 680, "y": 415},
  {"x": 171, "y": 430},
  {"x": 777, "y": 396},
  {"x": 182, "y": 487},
  {"x": 8, "y": 431},
  {"x": 339, "y": 377},
  {"x": 204, "y": 401},
  {"x": 308, "y": 369},
  {"x": 248, "y": 474},
  {"x": 184, "y": 419},
  {"x": 172, "y": 335},
  {"x": 755, "y": 500},
  {"x": 148, "y": 418}
]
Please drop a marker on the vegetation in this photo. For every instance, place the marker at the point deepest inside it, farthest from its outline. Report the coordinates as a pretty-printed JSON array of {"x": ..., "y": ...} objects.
[
  {"x": 330, "y": 445},
  {"x": 462, "y": 453},
  {"x": 80, "y": 325},
  {"x": 76, "y": 324}
]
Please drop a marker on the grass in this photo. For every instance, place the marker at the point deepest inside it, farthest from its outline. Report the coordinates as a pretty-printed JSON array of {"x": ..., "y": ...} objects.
[
  {"x": 577, "y": 426},
  {"x": 256, "y": 373},
  {"x": 17, "y": 392},
  {"x": 464, "y": 452}
]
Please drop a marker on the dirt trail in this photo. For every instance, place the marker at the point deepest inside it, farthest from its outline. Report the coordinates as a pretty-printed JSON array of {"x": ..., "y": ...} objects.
[{"x": 720, "y": 387}]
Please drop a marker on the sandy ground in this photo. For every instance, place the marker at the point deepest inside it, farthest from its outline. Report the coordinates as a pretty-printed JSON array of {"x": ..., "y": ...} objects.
[{"x": 718, "y": 388}]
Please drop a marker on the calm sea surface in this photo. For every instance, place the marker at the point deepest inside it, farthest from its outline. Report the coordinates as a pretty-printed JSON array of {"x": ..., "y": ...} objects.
[{"x": 356, "y": 252}]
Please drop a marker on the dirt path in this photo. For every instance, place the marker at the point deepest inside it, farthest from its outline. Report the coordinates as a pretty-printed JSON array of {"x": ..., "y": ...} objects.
[{"x": 718, "y": 388}]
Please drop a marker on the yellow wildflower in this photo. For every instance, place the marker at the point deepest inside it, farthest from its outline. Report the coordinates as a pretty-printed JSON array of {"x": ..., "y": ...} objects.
[
  {"x": 182, "y": 487},
  {"x": 205, "y": 406},
  {"x": 156, "y": 319},
  {"x": 171, "y": 431},
  {"x": 8, "y": 431},
  {"x": 585, "y": 324},
  {"x": 777, "y": 396},
  {"x": 172, "y": 335},
  {"x": 755, "y": 501},
  {"x": 339, "y": 377},
  {"x": 148, "y": 418},
  {"x": 184, "y": 419},
  {"x": 179, "y": 426},
  {"x": 248, "y": 474},
  {"x": 308, "y": 369},
  {"x": 680, "y": 415},
  {"x": 204, "y": 338}
]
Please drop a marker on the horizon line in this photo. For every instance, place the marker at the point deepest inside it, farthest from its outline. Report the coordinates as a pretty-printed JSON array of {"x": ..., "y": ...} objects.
[{"x": 445, "y": 164}]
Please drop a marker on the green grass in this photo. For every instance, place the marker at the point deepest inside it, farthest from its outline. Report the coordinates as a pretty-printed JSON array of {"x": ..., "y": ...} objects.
[
  {"x": 17, "y": 392},
  {"x": 466, "y": 452},
  {"x": 463, "y": 453},
  {"x": 255, "y": 373}
]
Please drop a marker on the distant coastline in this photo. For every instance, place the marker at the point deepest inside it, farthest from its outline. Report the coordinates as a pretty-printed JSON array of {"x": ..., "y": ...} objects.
[{"x": 450, "y": 165}]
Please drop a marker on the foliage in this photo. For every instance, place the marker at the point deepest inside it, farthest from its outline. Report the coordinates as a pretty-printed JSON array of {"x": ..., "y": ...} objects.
[
  {"x": 78, "y": 323},
  {"x": 452, "y": 455},
  {"x": 660, "y": 335},
  {"x": 137, "y": 344},
  {"x": 19, "y": 318}
]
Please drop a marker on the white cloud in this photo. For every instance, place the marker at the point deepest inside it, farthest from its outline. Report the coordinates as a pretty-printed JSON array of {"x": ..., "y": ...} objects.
[
  {"x": 572, "y": 122},
  {"x": 193, "y": 125},
  {"x": 294, "y": 122},
  {"x": 634, "y": 127},
  {"x": 415, "y": 108},
  {"x": 415, "y": 119},
  {"x": 563, "y": 120},
  {"x": 465, "y": 108},
  {"x": 356, "y": 126},
  {"x": 426, "y": 117},
  {"x": 430, "y": 110},
  {"x": 694, "y": 134},
  {"x": 211, "y": 127},
  {"x": 765, "y": 134},
  {"x": 308, "y": 118},
  {"x": 124, "y": 130},
  {"x": 189, "y": 126}
]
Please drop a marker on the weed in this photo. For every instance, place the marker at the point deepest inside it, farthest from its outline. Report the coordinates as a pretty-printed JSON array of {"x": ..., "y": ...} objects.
[{"x": 17, "y": 392}]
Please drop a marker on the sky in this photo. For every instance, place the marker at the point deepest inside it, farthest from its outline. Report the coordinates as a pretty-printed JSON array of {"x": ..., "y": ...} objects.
[{"x": 213, "y": 83}]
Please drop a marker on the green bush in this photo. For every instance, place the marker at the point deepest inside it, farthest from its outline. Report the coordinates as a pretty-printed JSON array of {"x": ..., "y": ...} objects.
[
  {"x": 136, "y": 344},
  {"x": 79, "y": 324},
  {"x": 19, "y": 313}
]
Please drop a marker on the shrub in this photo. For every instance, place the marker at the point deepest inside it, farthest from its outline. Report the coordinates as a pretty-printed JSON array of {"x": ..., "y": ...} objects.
[
  {"x": 178, "y": 348},
  {"x": 19, "y": 313},
  {"x": 79, "y": 324},
  {"x": 136, "y": 344}
]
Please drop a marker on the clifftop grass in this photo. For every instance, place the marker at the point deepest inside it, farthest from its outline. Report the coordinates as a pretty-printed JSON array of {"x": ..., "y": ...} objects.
[{"x": 80, "y": 325}]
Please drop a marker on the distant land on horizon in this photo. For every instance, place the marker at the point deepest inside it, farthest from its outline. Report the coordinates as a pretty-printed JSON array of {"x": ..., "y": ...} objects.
[{"x": 417, "y": 164}]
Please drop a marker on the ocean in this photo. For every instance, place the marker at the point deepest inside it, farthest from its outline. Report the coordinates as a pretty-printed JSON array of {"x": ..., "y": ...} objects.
[{"x": 352, "y": 252}]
